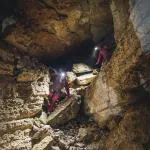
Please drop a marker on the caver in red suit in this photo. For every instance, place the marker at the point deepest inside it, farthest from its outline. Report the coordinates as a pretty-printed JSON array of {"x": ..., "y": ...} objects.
[
  {"x": 102, "y": 56},
  {"x": 59, "y": 83}
]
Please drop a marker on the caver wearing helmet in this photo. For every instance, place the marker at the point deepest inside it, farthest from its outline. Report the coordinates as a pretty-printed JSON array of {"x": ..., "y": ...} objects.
[
  {"x": 102, "y": 55},
  {"x": 59, "y": 83}
]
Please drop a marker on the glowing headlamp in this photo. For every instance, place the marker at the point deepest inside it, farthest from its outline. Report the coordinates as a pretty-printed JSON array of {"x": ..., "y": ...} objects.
[
  {"x": 62, "y": 74},
  {"x": 96, "y": 48}
]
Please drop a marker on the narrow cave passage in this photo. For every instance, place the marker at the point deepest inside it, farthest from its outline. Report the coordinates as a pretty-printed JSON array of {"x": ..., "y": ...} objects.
[
  {"x": 100, "y": 100},
  {"x": 32, "y": 46},
  {"x": 85, "y": 53}
]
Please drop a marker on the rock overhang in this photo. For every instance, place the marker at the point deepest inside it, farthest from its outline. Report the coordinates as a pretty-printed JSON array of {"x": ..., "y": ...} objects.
[{"x": 49, "y": 30}]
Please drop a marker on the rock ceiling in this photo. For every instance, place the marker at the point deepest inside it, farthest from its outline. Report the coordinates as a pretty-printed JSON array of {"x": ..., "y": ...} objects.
[{"x": 48, "y": 29}]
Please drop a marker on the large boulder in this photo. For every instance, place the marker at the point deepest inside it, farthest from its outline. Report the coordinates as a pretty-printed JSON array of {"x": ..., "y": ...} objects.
[
  {"x": 101, "y": 101},
  {"x": 81, "y": 68},
  {"x": 65, "y": 112},
  {"x": 71, "y": 77},
  {"x": 85, "y": 79}
]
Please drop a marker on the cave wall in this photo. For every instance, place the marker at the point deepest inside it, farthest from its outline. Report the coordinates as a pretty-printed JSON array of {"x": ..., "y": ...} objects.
[
  {"x": 139, "y": 11},
  {"x": 48, "y": 29},
  {"x": 119, "y": 98},
  {"x": 119, "y": 82},
  {"x": 139, "y": 15},
  {"x": 43, "y": 30},
  {"x": 119, "y": 86},
  {"x": 132, "y": 132},
  {"x": 23, "y": 84}
]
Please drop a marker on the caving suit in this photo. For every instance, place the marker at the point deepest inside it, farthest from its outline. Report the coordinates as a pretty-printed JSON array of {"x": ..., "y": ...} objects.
[
  {"x": 59, "y": 83},
  {"x": 102, "y": 56}
]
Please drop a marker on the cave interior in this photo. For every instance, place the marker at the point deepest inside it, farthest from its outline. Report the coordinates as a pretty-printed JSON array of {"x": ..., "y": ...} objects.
[{"x": 109, "y": 104}]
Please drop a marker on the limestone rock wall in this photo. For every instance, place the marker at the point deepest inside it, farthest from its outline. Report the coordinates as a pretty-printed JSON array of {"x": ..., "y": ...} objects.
[
  {"x": 16, "y": 134},
  {"x": 23, "y": 84},
  {"x": 119, "y": 82},
  {"x": 119, "y": 98},
  {"x": 132, "y": 132},
  {"x": 139, "y": 15}
]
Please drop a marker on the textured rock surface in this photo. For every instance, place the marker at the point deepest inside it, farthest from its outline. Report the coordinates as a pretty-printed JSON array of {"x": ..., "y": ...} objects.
[
  {"x": 52, "y": 28},
  {"x": 81, "y": 68},
  {"x": 118, "y": 83},
  {"x": 6, "y": 62},
  {"x": 65, "y": 112},
  {"x": 133, "y": 131},
  {"x": 139, "y": 15},
  {"x": 69, "y": 136},
  {"x": 30, "y": 70},
  {"x": 45, "y": 143},
  {"x": 71, "y": 77},
  {"x": 24, "y": 99},
  {"x": 15, "y": 134},
  {"x": 103, "y": 103},
  {"x": 85, "y": 79},
  {"x": 21, "y": 97},
  {"x": 139, "y": 11}
]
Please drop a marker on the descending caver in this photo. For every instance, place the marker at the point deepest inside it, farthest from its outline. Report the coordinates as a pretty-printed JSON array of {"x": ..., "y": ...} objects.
[
  {"x": 60, "y": 79},
  {"x": 59, "y": 82},
  {"x": 102, "y": 55}
]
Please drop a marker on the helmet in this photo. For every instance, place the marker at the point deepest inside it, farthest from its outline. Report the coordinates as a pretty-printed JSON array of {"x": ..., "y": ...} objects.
[
  {"x": 97, "y": 48},
  {"x": 62, "y": 73}
]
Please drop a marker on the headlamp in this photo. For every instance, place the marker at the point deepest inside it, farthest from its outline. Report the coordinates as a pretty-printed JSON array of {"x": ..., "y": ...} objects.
[
  {"x": 62, "y": 74},
  {"x": 96, "y": 48}
]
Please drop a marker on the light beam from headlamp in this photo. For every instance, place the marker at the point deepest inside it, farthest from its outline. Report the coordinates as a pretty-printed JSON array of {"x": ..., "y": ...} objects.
[{"x": 62, "y": 74}]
